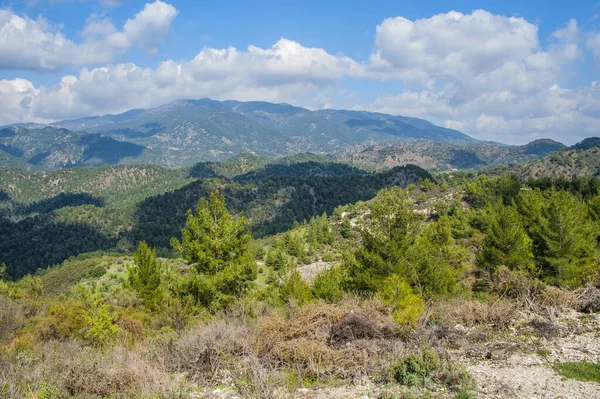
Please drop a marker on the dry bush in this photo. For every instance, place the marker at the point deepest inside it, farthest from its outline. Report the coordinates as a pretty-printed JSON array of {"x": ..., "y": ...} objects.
[
  {"x": 470, "y": 313},
  {"x": 515, "y": 284},
  {"x": 259, "y": 380},
  {"x": 203, "y": 350},
  {"x": 76, "y": 370},
  {"x": 558, "y": 298},
  {"x": 323, "y": 340},
  {"x": 133, "y": 327},
  {"x": 119, "y": 372},
  {"x": 309, "y": 320},
  {"x": 12, "y": 319},
  {"x": 589, "y": 299},
  {"x": 357, "y": 326}
]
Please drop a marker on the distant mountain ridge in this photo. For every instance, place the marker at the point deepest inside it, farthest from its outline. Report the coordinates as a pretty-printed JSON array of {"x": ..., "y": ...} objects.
[
  {"x": 49, "y": 148},
  {"x": 187, "y": 131}
]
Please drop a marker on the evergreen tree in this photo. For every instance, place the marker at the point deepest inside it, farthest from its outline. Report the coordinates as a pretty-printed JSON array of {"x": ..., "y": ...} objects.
[
  {"x": 434, "y": 261},
  {"x": 346, "y": 228},
  {"x": 145, "y": 276},
  {"x": 507, "y": 242},
  {"x": 568, "y": 249},
  {"x": 219, "y": 247},
  {"x": 385, "y": 241}
]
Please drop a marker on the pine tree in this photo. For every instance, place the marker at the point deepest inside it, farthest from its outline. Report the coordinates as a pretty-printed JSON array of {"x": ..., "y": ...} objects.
[
  {"x": 145, "y": 277},
  {"x": 507, "y": 243},
  {"x": 568, "y": 247},
  {"x": 220, "y": 248},
  {"x": 385, "y": 241},
  {"x": 434, "y": 261},
  {"x": 346, "y": 228}
]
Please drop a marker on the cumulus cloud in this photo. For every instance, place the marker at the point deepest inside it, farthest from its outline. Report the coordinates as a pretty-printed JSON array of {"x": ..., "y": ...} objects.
[
  {"x": 488, "y": 75},
  {"x": 485, "y": 74},
  {"x": 287, "y": 71},
  {"x": 36, "y": 44}
]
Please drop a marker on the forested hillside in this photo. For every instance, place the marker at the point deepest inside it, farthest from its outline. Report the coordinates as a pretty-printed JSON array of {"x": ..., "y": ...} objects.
[
  {"x": 567, "y": 164},
  {"x": 444, "y": 156},
  {"x": 421, "y": 290},
  {"x": 117, "y": 206}
]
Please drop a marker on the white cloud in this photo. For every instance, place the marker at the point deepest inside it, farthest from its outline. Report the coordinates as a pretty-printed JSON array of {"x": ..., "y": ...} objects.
[
  {"x": 147, "y": 29},
  {"x": 484, "y": 74},
  {"x": 593, "y": 44},
  {"x": 37, "y": 44},
  {"x": 488, "y": 75},
  {"x": 286, "y": 72}
]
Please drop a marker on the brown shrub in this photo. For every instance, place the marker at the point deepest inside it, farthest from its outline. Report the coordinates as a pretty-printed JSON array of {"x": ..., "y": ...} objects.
[
  {"x": 202, "y": 351},
  {"x": 12, "y": 319},
  {"x": 356, "y": 326},
  {"x": 117, "y": 373},
  {"x": 310, "y": 340},
  {"x": 132, "y": 326},
  {"x": 469, "y": 312},
  {"x": 302, "y": 352},
  {"x": 307, "y": 320},
  {"x": 558, "y": 298}
]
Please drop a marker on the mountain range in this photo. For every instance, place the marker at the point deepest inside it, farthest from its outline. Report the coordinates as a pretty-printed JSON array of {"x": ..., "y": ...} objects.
[{"x": 184, "y": 132}]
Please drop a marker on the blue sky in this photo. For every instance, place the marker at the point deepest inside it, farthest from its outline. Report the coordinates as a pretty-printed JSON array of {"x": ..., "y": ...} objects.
[{"x": 509, "y": 71}]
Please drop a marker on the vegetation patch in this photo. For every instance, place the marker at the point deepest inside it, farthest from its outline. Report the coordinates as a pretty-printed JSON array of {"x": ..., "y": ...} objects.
[{"x": 582, "y": 371}]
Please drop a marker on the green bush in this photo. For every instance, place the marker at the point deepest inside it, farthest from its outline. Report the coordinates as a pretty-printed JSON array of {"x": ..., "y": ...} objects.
[
  {"x": 425, "y": 368},
  {"x": 328, "y": 284},
  {"x": 293, "y": 287},
  {"x": 398, "y": 294},
  {"x": 418, "y": 369}
]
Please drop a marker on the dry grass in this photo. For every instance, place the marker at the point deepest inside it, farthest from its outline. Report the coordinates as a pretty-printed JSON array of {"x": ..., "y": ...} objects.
[
  {"x": 470, "y": 313},
  {"x": 559, "y": 298},
  {"x": 74, "y": 369},
  {"x": 202, "y": 351}
]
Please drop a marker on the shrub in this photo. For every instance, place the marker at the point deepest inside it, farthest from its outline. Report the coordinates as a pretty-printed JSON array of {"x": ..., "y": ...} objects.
[
  {"x": 407, "y": 306},
  {"x": 357, "y": 326},
  {"x": 328, "y": 284},
  {"x": 11, "y": 319},
  {"x": 68, "y": 319},
  {"x": 102, "y": 330},
  {"x": 425, "y": 368},
  {"x": 97, "y": 271},
  {"x": 418, "y": 369},
  {"x": 293, "y": 287},
  {"x": 203, "y": 350}
]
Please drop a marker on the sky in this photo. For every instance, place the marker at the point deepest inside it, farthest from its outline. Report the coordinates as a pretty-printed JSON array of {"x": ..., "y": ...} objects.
[{"x": 508, "y": 71}]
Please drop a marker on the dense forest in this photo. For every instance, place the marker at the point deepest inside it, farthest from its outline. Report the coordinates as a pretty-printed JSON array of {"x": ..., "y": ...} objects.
[{"x": 273, "y": 198}]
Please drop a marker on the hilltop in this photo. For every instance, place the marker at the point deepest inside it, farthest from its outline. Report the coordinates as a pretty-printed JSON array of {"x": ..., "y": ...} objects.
[{"x": 444, "y": 156}]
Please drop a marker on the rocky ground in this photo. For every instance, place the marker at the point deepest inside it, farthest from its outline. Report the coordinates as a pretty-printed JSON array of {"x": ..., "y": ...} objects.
[
  {"x": 517, "y": 363},
  {"x": 529, "y": 371}
]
